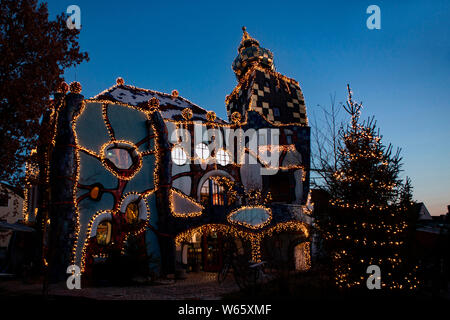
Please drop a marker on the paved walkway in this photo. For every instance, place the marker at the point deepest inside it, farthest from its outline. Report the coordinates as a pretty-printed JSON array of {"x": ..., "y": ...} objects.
[{"x": 198, "y": 286}]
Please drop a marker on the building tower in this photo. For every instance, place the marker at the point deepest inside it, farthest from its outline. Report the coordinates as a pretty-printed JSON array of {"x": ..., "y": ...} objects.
[{"x": 260, "y": 88}]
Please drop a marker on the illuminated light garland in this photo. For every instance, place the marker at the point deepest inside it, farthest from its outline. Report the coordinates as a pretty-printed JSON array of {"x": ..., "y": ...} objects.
[
  {"x": 276, "y": 148},
  {"x": 249, "y": 73},
  {"x": 141, "y": 197},
  {"x": 241, "y": 161},
  {"x": 140, "y": 89},
  {"x": 120, "y": 206},
  {"x": 120, "y": 81},
  {"x": 185, "y": 197},
  {"x": 77, "y": 177},
  {"x": 75, "y": 87},
  {"x": 174, "y": 94},
  {"x": 89, "y": 152},
  {"x": 254, "y": 238},
  {"x": 249, "y": 225},
  {"x": 106, "y": 120},
  {"x": 88, "y": 236},
  {"x": 236, "y": 117},
  {"x": 153, "y": 103},
  {"x": 268, "y": 166},
  {"x": 187, "y": 114},
  {"x": 63, "y": 88},
  {"x": 342, "y": 204},
  {"x": 74, "y": 121},
  {"x": 211, "y": 116},
  {"x": 31, "y": 172}
]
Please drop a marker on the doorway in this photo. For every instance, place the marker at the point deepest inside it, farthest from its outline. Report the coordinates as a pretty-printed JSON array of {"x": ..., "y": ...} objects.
[{"x": 212, "y": 251}]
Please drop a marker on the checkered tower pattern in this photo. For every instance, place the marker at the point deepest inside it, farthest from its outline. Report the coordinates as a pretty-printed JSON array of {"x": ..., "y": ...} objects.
[{"x": 278, "y": 98}]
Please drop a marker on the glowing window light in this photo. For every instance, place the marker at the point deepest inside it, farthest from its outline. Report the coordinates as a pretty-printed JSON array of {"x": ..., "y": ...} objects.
[
  {"x": 178, "y": 156},
  {"x": 121, "y": 158},
  {"x": 202, "y": 151},
  {"x": 132, "y": 212},
  {"x": 104, "y": 233},
  {"x": 223, "y": 158},
  {"x": 214, "y": 191}
]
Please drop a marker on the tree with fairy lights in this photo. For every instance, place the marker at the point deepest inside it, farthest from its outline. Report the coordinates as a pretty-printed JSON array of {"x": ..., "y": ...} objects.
[{"x": 368, "y": 213}]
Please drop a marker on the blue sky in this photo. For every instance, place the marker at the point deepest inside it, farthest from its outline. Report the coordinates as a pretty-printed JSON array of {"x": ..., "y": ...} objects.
[{"x": 401, "y": 73}]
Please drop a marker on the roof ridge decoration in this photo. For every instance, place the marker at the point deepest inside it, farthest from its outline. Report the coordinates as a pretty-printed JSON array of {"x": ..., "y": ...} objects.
[{"x": 171, "y": 103}]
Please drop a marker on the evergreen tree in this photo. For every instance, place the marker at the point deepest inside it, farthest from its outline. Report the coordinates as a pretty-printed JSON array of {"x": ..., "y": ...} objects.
[{"x": 367, "y": 222}]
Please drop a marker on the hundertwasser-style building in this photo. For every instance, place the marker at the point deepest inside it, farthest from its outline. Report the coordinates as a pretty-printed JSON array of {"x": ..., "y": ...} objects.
[{"x": 144, "y": 174}]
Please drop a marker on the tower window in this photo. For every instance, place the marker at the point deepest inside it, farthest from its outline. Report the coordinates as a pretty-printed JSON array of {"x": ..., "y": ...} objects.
[{"x": 276, "y": 112}]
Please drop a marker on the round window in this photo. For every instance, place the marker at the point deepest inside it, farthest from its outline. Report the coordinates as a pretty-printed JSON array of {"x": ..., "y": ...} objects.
[
  {"x": 179, "y": 157},
  {"x": 122, "y": 159},
  {"x": 202, "y": 151},
  {"x": 223, "y": 157}
]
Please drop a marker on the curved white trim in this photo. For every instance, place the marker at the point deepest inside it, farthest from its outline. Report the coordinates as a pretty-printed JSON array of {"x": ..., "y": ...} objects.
[
  {"x": 100, "y": 218},
  {"x": 143, "y": 210}
]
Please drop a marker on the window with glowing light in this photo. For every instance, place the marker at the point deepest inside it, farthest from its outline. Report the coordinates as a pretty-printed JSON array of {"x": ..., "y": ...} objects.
[
  {"x": 202, "y": 151},
  {"x": 132, "y": 212},
  {"x": 212, "y": 193},
  {"x": 223, "y": 158},
  {"x": 179, "y": 157},
  {"x": 120, "y": 158},
  {"x": 104, "y": 233}
]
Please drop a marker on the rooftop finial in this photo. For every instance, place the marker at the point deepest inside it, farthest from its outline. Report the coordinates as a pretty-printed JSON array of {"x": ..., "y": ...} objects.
[{"x": 245, "y": 34}]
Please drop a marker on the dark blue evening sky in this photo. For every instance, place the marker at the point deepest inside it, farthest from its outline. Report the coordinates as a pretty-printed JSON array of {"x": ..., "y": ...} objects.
[{"x": 401, "y": 72}]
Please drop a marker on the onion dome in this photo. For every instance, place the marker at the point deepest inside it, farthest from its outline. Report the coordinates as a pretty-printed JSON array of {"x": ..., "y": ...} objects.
[{"x": 250, "y": 54}]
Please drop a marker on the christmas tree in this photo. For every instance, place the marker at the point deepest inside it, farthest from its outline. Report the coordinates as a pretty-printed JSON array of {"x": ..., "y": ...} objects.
[{"x": 367, "y": 219}]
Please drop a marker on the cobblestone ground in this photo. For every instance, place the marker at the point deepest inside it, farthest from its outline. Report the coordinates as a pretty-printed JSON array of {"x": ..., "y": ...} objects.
[{"x": 197, "y": 286}]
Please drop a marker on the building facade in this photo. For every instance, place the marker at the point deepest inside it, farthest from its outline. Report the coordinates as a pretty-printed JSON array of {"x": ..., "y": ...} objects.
[
  {"x": 149, "y": 175},
  {"x": 11, "y": 208}
]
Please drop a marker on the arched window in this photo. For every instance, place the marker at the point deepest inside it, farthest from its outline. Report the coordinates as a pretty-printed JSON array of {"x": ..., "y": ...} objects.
[
  {"x": 212, "y": 193},
  {"x": 104, "y": 233}
]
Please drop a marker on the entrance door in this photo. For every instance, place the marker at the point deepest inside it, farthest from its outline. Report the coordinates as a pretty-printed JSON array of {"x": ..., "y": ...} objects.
[{"x": 212, "y": 252}]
